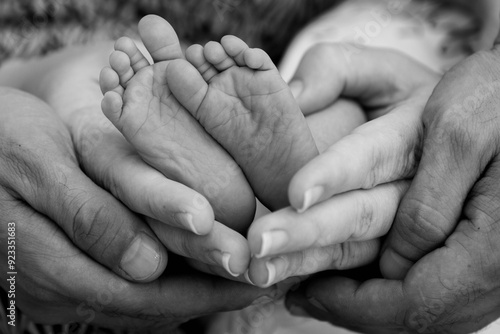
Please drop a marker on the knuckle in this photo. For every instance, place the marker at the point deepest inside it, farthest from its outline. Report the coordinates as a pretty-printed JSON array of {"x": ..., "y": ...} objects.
[
  {"x": 340, "y": 256},
  {"x": 421, "y": 224},
  {"x": 365, "y": 218},
  {"x": 89, "y": 223}
]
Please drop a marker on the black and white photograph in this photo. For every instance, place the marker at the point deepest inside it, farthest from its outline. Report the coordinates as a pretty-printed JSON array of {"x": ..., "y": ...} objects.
[{"x": 249, "y": 166}]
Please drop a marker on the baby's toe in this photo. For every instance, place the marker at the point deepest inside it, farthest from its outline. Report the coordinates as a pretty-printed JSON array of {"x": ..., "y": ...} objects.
[
  {"x": 258, "y": 59},
  {"x": 235, "y": 48},
  {"x": 120, "y": 63},
  {"x": 109, "y": 81},
  {"x": 217, "y": 56},
  {"x": 187, "y": 85},
  {"x": 112, "y": 106},
  {"x": 160, "y": 38},
  {"x": 194, "y": 54},
  {"x": 137, "y": 59}
]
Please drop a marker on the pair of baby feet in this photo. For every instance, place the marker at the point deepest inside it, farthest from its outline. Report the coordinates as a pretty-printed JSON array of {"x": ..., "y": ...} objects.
[{"x": 191, "y": 118}]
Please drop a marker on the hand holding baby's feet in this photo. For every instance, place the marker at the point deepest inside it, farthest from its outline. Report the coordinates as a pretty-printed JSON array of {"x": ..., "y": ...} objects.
[
  {"x": 139, "y": 103},
  {"x": 239, "y": 97}
]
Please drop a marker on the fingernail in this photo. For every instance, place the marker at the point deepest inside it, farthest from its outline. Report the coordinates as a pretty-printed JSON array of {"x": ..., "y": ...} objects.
[
  {"x": 275, "y": 269},
  {"x": 273, "y": 242},
  {"x": 296, "y": 87},
  {"x": 247, "y": 278},
  {"x": 142, "y": 259},
  {"x": 223, "y": 259},
  {"x": 298, "y": 311},
  {"x": 186, "y": 219},
  {"x": 314, "y": 302},
  {"x": 311, "y": 197},
  {"x": 271, "y": 273}
]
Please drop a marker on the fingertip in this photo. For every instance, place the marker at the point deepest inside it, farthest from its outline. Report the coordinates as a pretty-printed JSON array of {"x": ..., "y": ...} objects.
[
  {"x": 201, "y": 223},
  {"x": 240, "y": 258},
  {"x": 254, "y": 235},
  {"x": 145, "y": 259},
  {"x": 304, "y": 191},
  {"x": 203, "y": 216},
  {"x": 258, "y": 273}
]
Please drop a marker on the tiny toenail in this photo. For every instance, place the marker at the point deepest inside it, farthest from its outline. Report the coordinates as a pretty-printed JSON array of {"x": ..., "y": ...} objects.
[
  {"x": 311, "y": 197},
  {"x": 273, "y": 242}
]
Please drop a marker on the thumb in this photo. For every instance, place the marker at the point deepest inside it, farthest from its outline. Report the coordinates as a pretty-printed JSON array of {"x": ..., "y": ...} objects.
[{"x": 373, "y": 77}]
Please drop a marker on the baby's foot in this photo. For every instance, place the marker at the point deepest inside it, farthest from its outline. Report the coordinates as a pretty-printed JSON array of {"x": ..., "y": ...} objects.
[
  {"x": 239, "y": 97},
  {"x": 139, "y": 103}
]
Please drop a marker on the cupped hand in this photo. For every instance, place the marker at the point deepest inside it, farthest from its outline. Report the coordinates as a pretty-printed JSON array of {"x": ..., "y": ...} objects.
[
  {"x": 57, "y": 283},
  {"x": 441, "y": 257},
  {"x": 358, "y": 182},
  {"x": 60, "y": 222}
]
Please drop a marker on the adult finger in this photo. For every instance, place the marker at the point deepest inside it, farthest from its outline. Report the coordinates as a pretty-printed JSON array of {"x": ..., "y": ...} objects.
[
  {"x": 378, "y": 80},
  {"x": 268, "y": 271},
  {"x": 372, "y": 154},
  {"x": 99, "y": 296},
  {"x": 354, "y": 216},
  {"x": 222, "y": 247},
  {"x": 140, "y": 187}
]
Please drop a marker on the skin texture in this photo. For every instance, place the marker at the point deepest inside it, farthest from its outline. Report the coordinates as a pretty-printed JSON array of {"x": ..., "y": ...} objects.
[
  {"x": 57, "y": 282},
  {"x": 440, "y": 261},
  {"x": 78, "y": 139}
]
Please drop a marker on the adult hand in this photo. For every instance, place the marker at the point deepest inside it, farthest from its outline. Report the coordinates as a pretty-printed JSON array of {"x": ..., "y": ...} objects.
[
  {"x": 366, "y": 170},
  {"x": 55, "y": 212},
  {"x": 448, "y": 216},
  {"x": 40, "y": 171}
]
